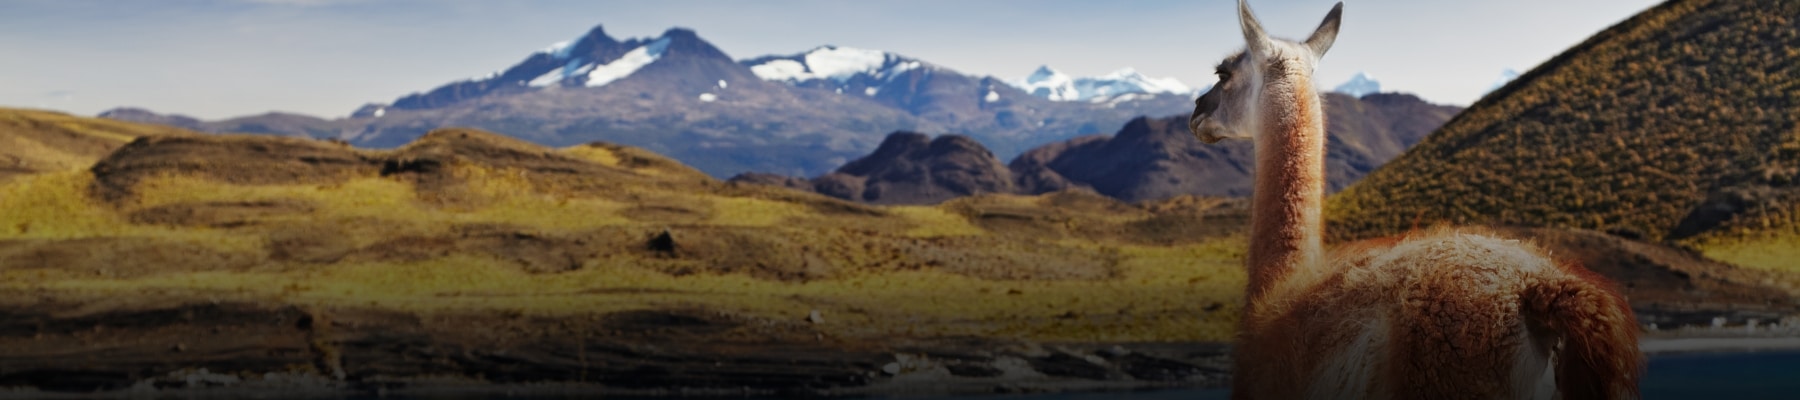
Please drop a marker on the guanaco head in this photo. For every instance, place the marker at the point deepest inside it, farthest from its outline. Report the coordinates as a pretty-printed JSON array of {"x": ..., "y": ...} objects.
[{"x": 1230, "y": 108}]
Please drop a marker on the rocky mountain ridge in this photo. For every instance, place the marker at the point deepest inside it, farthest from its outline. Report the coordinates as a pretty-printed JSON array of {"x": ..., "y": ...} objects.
[{"x": 679, "y": 95}]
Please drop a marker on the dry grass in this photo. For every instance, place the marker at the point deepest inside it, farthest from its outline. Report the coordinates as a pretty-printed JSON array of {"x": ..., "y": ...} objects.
[
  {"x": 598, "y": 155},
  {"x": 509, "y": 198},
  {"x": 38, "y": 155},
  {"x": 747, "y": 211},
  {"x": 1777, "y": 251},
  {"x": 1163, "y": 295},
  {"x": 935, "y": 222},
  {"x": 54, "y": 206}
]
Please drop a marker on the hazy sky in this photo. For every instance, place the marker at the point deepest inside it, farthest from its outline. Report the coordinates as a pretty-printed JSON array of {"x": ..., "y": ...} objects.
[{"x": 223, "y": 58}]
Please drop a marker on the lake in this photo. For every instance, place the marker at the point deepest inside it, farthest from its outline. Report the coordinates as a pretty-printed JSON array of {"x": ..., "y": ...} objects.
[{"x": 1736, "y": 376}]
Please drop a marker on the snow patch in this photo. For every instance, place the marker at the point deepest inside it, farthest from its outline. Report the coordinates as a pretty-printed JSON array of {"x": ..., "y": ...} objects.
[
  {"x": 781, "y": 70},
  {"x": 871, "y": 91},
  {"x": 992, "y": 96},
  {"x": 901, "y": 67},
  {"x": 572, "y": 68},
  {"x": 1115, "y": 100},
  {"x": 709, "y": 97},
  {"x": 1054, "y": 85},
  {"x": 380, "y": 112},
  {"x": 1127, "y": 78},
  {"x": 843, "y": 62},
  {"x": 722, "y": 84},
  {"x": 1050, "y": 84},
  {"x": 560, "y": 50},
  {"x": 835, "y": 63},
  {"x": 597, "y": 74},
  {"x": 1360, "y": 85},
  {"x": 627, "y": 64},
  {"x": 1506, "y": 76},
  {"x": 547, "y": 79}
]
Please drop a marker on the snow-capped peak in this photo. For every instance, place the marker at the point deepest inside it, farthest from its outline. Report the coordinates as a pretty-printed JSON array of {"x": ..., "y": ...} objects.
[
  {"x": 630, "y": 62},
  {"x": 1506, "y": 76},
  {"x": 1131, "y": 78},
  {"x": 1045, "y": 74},
  {"x": 591, "y": 74},
  {"x": 560, "y": 50},
  {"x": 835, "y": 63},
  {"x": 1051, "y": 84},
  {"x": 1048, "y": 83},
  {"x": 1359, "y": 85}
]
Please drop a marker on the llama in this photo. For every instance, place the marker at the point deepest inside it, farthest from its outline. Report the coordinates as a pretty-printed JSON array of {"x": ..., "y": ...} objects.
[{"x": 1435, "y": 314}]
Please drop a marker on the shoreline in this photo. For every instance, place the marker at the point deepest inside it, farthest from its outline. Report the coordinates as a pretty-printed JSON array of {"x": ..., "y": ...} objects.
[{"x": 1690, "y": 345}]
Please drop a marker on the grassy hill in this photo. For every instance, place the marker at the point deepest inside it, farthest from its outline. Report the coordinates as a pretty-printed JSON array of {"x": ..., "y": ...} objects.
[
  {"x": 466, "y": 220},
  {"x": 1676, "y": 124},
  {"x": 34, "y": 141}
]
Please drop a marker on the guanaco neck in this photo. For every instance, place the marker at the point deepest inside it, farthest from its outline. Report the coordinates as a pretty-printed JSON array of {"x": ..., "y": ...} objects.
[{"x": 1286, "y": 226}]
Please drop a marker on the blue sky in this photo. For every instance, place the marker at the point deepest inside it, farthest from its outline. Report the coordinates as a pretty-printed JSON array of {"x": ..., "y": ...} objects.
[{"x": 223, "y": 58}]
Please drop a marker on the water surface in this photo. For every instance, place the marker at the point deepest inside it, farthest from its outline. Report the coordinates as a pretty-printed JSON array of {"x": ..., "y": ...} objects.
[{"x": 1756, "y": 375}]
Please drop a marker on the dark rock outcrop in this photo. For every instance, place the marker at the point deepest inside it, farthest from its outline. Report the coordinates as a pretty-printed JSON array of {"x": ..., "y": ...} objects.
[
  {"x": 1157, "y": 158},
  {"x": 908, "y": 168}
]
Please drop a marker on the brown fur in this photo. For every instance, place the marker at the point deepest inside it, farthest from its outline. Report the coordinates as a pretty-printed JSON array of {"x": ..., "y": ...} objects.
[
  {"x": 1437, "y": 314},
  {"x": 1456, "y": 306},
  {"x": 1285, "y": 171}
]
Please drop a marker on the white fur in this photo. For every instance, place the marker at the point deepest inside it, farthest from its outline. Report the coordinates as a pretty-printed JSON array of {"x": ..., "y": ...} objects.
[
  {"x": 1533, "y": 378},
  {"x": 1350, "y": 372}
]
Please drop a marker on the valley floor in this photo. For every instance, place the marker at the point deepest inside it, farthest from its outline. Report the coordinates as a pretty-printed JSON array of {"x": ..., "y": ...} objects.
[{"x": 472, "y": 262}]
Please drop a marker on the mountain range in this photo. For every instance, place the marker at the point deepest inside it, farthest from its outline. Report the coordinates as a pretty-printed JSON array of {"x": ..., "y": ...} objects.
[
  {"x": 1147, "y": 159},
  {"x": 677, "y": 94}
]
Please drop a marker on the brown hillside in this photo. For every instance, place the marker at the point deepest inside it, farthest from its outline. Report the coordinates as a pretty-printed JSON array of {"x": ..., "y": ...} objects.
[
  {"x": 1631, "y": 132},
  {"x": 34, "y": 141},
  {"x": 1671, "y": 286},
  {"x": 268, "y": 160},
  {"x": 471, "y": 192}
]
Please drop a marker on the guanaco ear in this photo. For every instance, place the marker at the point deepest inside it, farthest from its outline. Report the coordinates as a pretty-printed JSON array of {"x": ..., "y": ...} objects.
[
  {"x": 1256, "y": 42},
  {"x": 1321, "y": 39}
]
